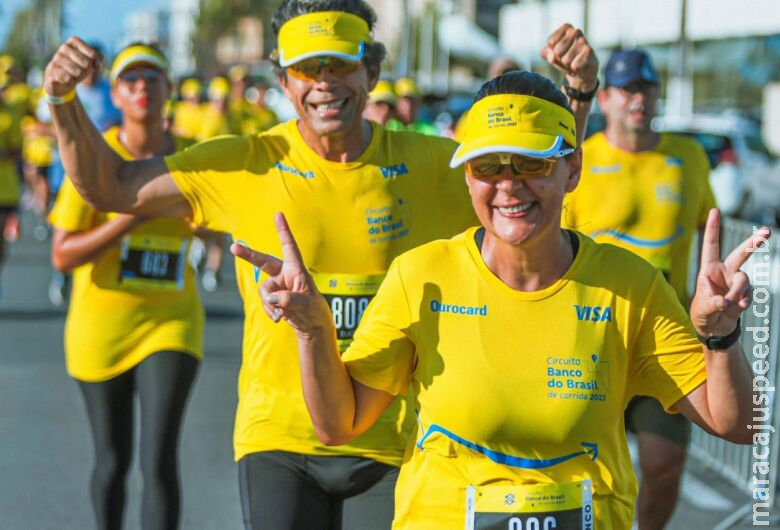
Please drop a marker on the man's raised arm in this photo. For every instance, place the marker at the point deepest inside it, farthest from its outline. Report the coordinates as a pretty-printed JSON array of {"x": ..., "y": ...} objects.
[{"x": 101, "y": 176}]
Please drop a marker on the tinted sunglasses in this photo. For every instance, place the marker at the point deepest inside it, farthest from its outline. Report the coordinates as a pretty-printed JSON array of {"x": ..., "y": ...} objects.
[
  {"x": 309, "y": 69},
  {"x": 149, "y": 75},
  {"x": 523, "y": 167}
]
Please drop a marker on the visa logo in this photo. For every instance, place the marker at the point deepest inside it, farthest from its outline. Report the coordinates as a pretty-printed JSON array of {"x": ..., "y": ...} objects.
[
  {"x": 396, "y": 170},
  {"x": 594, "y": 313}
]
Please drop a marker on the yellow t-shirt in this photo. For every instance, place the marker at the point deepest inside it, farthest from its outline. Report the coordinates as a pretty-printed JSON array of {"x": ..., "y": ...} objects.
[
  {"x": 650, "y": 203},
  {"x": 535, "y": 380},
  {"x": 246, "y": 118},
  {"x": 137, "y": 298},
  {"x": 212, "y": 123},
  {"x": 37, "y": 149},
  {"x": 350, "y": 220},
  {"x": 186, "y": 119},
  {"x": 10, "y": 140}
]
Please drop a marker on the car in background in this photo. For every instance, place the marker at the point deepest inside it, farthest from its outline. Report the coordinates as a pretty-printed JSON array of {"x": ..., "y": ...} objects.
[{"x": 744, "y": 176}]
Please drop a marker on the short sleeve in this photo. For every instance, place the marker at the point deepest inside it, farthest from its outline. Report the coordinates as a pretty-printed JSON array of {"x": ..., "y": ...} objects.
[
  {"x": 211, "y": 176},
  {"x": 382, "y": 354},
  {"x": 71, "y": 212},
  {"x": 667, "y": 360}
]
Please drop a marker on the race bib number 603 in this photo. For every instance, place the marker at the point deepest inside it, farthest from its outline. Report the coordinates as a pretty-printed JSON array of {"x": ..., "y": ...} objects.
[
  {"x": 153, "y": 262},
  {"x": 530, "y": 507}
]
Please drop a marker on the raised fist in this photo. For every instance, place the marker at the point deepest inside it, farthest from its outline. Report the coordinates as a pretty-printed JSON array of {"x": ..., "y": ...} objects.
[
  {"x": 569, "y": 52},
  {"x": 73, "y": 62}
]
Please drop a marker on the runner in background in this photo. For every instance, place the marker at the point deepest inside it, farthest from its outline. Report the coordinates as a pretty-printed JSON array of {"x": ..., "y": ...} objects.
[
  {"x": 186, "y": 113},
  {"x": 38, "y": 152},
  {"x": 380, "y": 107},
  {"x": 262, "y": 117},
  {"x": 10, "y": 156},
  {"x": 407, "y": 106},
  {"x": 135, "y": 322},
  {"x": 363, "y": 194},
  {"x": 648, "y": 193}
]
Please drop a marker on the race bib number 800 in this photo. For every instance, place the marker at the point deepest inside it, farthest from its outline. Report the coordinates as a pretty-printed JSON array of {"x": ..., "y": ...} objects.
[
  {"x": 348, "y": 296},
  {"x": 530, "y": 507}
]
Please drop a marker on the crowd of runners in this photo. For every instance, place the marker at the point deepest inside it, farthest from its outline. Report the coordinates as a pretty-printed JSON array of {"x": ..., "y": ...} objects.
[{"x": 436, "y": 334}]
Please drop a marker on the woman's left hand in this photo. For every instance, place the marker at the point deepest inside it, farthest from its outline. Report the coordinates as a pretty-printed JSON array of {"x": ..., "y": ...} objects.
[
  {"x": 722, "y": 291},
  {"x": 289, "y": 293}
]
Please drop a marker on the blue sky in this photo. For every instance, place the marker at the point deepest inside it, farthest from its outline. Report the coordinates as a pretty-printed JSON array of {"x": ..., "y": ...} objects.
[{"x": 91, "y": 19}]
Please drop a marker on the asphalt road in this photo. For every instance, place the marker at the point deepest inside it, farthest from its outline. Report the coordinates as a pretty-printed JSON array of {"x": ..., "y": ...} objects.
[{"x": 45, "y": 446}]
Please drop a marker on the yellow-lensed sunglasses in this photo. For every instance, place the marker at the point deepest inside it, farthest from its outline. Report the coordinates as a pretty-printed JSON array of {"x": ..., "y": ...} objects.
[
  {"x": 523, "y": 167},
  {"x": 309, "y": 69}
]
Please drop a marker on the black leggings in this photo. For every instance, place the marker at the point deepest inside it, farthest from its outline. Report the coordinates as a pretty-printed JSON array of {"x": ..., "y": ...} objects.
[
  {"x": 289, "y": 491},
  {"x": 163, "y": 382}
]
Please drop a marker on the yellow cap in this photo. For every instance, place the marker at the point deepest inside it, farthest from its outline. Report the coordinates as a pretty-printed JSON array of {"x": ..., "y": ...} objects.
[
  {"x": 237, "y": 72},
  {"x": 519, "y": 124},
  {"x": 190, "y": 88},
  {"x": 406, "y": 87},
  {"x": 138, "y": 54},
  {"x": 6, "y": 62},
  {"x": 324, "y": 33},
  {"x": 219, "y": 88},
  {"x": 383, "y": 93}
]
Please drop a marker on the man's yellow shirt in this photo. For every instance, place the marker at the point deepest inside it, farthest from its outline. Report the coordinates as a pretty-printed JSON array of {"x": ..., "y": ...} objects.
[
  {"x": 649, "y": 202},
  {"x": 522, "y": 391},
  {"x": 350, "y": 220}
]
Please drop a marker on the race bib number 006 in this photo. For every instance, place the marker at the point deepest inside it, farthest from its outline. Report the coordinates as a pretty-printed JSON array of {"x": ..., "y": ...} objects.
[
  {"x": 153, "y": 262},
  {"x": 348, "y": 296},
  {"x": 530, "y": 507}
]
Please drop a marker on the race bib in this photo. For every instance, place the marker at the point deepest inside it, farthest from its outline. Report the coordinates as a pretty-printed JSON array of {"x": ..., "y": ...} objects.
[
  {"x": 348, "y": 296},
  {"x": 530, "y": 507},
  {"x": 153, "y": 262}
]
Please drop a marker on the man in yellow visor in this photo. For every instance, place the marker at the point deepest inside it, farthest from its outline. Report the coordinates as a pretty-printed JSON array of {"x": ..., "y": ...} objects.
[{"x": 357, "y": 194}]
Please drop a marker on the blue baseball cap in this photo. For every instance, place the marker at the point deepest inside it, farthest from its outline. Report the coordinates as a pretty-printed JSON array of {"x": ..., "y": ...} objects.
[{"x": 626, "y": 66}]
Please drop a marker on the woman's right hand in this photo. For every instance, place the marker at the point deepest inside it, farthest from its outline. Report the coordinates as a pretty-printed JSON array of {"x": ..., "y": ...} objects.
[
  {"x": 74, "y": 61},
  {"x": 289, "y": 293}
]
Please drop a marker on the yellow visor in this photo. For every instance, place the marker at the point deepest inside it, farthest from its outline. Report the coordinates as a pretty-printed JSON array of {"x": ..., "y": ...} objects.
[
  {"x": 332, "y": 33},
  {"x": 519, "y": 124},
  {"x": 135, "y": 55},
  {"x": 383, "y": 93}
]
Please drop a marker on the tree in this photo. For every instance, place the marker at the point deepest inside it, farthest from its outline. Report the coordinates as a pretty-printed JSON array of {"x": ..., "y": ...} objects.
[
  {"x": 218, "y": 18},
  {"x": 35, "y": 32}
]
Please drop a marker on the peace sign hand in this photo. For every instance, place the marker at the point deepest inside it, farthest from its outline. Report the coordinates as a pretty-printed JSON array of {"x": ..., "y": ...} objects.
[
  {"x": 722, "y": 291},
  {"x": 569, "y": 52},
  {"x": 289, "y": 293}
]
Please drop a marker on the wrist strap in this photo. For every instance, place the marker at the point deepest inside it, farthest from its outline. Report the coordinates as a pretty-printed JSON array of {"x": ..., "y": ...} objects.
[
  {"x": 579, "y": 95},
  {"x": 61, "y": 100},
  {"x": 718, "y": 342}
]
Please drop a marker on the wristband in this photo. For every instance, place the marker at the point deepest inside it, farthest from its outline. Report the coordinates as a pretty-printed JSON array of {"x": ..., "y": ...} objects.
[
  {"x": 721, "y": 342},
  {"x": 61, "y": 100},
  {"x": 579, "y": 95}
]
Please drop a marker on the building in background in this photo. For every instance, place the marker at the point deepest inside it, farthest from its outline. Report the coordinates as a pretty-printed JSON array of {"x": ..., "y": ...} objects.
[
  {"x": 152, "y": 25},
  {"x": 182, "y": 26},
  {"x": 719, "y": 54}
]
